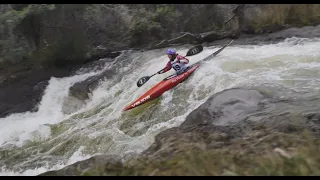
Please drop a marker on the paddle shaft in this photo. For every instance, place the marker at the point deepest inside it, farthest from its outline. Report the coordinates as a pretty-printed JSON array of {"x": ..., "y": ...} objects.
[
  {"x": 159, "y": 71},
  {"x": 153, "y": 74}
]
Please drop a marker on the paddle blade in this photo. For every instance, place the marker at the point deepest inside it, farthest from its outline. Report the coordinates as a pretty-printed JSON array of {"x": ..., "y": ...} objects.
[
  {"x": 195, "y": 50},
  {"x": 142, "y": 80}
]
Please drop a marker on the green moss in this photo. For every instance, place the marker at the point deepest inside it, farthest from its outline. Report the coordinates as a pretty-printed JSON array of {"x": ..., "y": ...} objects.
[
  {"x": 57, "y": 129},
  {"x": 14, "y": 17},
  {"x": 25, "y": 40},
  {"x": 70, "y": 49},
  {"x": 64, "y": 148},
  {"x": 15, "y": 45},
  {"x": 293, "y": 14},
  {"x": 167, "y": 16},
  {"x": 165, "y": 11},
  {"x": 153, "y": 26}
]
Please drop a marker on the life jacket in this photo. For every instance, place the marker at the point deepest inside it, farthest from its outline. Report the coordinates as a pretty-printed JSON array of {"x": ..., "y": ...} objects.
[{"x": 179, "y": 64}]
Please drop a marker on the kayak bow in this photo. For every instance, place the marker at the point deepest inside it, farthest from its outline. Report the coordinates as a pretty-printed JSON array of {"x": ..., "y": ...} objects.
[{"x": 168, "y": 83}]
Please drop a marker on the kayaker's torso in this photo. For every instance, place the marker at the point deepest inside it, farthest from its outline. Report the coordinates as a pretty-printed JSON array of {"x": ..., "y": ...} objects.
[{"x": 179, "y": 64}]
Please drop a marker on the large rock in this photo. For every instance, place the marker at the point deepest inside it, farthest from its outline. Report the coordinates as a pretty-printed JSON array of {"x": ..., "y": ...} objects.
[
  {"x": 81, "y": 90},
  {"x": 303, "y": 32},
  {"x": 211, "y": 124},
  {"x": 24, "y": 91},
  {"x": 107, "y": 164},
  {"x": 272, "y": 28},
  {"x": 275, "y": 37},
  {"x": 224, "y": 107},
  {"x": 100, "y": 53}
]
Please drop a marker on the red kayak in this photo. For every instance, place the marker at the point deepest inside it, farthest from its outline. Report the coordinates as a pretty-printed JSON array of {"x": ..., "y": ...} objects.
[
  {"x": 161, "y": 87},
  {"x": 170, "y": 82}
]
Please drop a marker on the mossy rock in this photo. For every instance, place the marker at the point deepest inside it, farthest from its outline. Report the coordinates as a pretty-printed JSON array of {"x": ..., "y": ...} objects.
[{"x": 70, "y": 50}]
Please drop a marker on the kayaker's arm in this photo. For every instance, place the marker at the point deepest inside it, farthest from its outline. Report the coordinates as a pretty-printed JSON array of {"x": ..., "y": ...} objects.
[
  {"x": 165, "y": 69},
  {"x": 183, "y": 59}
]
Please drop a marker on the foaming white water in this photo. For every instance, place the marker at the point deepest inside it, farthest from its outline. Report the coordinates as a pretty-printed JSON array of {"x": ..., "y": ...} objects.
[
  {"x": 30, "y": 172},
  {"x": 293, "y": 60},
  {"x": 16, "y": 128}
]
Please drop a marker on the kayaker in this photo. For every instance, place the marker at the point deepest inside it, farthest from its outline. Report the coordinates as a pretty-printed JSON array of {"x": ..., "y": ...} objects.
[{"x": 177, "y": 62}]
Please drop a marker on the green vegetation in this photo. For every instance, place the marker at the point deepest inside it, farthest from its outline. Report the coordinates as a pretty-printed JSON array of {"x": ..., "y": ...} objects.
[
  {"x": 155, "y": 25},
  {"x": 167, "y": 16},
  {"x": 293, "y": 14},
  {"x": 14, "y": 42},
  {"x": 28, "y": 38}
]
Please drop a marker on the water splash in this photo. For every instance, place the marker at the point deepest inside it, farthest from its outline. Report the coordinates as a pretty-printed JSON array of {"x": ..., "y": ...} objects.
[{"x": 100, "y": 127}]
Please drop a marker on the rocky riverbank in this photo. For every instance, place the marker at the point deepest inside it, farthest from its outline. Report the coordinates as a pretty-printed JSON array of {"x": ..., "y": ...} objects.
[{"x": 235, "y": 132}]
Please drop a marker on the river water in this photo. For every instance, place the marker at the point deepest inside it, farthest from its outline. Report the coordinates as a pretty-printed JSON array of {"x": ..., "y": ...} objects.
[{"x": 35, "y": 142}]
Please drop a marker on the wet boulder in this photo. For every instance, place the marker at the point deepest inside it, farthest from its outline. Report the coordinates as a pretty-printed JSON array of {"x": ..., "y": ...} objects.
[
  {"x": 103, "y": 163},
  {"x": 272, "y": 28},
  {"x": 24, "y": 91},
  {"x": 304, "y": 32},
  {"x": 81, "y": 90},
  {"x": 226, "y": 106}
]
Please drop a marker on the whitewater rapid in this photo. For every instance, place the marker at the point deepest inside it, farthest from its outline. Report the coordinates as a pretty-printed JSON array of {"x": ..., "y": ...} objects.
[{"x": 35, "y": 142}]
